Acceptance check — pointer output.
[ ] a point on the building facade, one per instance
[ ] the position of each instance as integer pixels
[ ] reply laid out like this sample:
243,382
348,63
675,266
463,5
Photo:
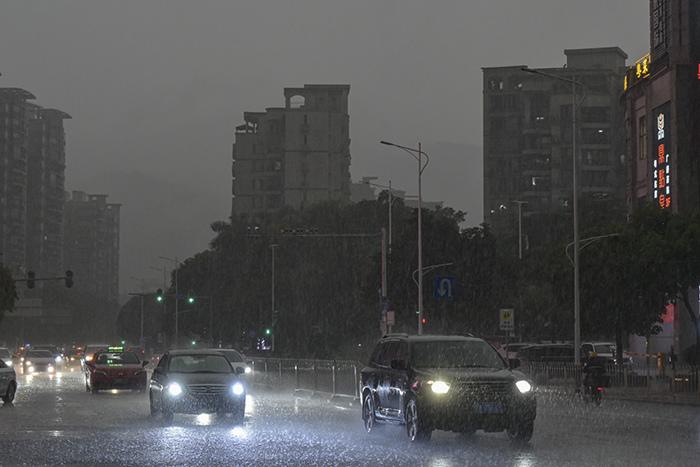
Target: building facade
662,120
295,155
14,132
46,165
528,139
91,244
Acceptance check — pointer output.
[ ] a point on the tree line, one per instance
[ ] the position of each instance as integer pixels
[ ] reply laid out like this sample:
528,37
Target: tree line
328,278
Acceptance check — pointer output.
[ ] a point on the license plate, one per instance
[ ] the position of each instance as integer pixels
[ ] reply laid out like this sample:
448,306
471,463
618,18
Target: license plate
489,408
120,381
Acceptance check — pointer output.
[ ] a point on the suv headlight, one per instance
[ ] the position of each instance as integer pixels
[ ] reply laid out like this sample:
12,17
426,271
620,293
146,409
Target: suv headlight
247,370
237,389
8,362
440,387
174,389
523,386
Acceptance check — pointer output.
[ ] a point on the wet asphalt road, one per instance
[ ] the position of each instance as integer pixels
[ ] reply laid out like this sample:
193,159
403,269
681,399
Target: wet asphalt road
54,421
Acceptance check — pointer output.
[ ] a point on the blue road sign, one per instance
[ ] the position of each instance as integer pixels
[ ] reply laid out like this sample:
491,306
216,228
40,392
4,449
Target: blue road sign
444,287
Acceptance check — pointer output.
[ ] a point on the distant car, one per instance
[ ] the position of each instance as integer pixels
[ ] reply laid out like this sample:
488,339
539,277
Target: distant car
55,352
453,383
6,356
546,353
8,382
510,351
116,370
236,358
36,361
606,350
196,381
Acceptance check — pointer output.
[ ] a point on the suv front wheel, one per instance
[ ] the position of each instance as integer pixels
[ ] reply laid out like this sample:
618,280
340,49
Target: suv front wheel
368,412
416,427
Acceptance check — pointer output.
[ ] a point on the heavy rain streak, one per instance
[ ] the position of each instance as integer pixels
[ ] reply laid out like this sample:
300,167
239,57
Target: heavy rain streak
364,232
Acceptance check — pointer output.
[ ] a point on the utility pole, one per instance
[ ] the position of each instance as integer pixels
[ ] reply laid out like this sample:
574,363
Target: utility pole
177,297
385,303
140,295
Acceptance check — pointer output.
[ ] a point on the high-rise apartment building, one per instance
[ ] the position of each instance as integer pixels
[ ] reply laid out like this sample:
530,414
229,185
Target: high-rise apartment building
13,176
91,244
528,138
295,155
46,164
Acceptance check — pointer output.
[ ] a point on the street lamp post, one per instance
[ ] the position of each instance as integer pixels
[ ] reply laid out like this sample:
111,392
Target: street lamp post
577,287
520,226
177,298
273,248
418,155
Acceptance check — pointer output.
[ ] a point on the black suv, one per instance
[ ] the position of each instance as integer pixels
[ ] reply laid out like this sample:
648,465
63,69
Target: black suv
453,383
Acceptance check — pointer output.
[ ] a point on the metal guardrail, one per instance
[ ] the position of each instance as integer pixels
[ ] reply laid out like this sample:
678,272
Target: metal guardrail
682,378
342,377
335,377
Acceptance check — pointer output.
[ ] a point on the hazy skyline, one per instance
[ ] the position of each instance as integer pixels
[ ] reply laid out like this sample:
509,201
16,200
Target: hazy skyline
156,88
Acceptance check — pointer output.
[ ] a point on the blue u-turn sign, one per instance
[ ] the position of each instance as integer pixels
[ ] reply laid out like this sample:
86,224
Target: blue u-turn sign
444,287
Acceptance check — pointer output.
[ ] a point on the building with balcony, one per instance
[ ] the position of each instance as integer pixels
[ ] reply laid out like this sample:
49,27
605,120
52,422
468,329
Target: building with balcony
46,165
14,132
528,139
295,155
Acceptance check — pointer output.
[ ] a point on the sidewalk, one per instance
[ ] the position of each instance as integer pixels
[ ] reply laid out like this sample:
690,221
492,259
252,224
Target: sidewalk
637,395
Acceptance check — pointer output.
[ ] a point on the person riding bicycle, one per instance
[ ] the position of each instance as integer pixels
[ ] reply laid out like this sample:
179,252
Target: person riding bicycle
595,371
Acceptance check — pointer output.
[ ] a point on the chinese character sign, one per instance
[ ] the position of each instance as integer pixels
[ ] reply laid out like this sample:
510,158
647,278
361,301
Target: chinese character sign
662,159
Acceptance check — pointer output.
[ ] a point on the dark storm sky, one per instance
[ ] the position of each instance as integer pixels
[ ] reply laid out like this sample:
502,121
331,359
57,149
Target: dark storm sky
155,88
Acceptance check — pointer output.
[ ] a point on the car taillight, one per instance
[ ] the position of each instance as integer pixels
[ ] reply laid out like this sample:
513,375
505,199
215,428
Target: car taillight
600,389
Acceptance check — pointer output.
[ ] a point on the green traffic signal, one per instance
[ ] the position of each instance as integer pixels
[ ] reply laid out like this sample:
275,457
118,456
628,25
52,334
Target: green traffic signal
190,299
159,298
268,331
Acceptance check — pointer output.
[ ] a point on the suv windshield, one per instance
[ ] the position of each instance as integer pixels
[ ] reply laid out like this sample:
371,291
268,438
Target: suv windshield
39,354
126,358
232,356
455,354
199,364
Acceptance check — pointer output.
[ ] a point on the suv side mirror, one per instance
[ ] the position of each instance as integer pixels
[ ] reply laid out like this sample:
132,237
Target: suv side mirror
398,365
513,363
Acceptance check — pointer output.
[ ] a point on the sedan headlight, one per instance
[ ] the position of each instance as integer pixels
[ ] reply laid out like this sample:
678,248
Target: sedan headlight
8,362
523,386
27,362
237,389
247,370
174,389
440,387
49,368
58,359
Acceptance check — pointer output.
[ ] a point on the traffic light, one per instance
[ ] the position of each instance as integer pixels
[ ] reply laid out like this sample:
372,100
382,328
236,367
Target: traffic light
424,321
69,279
190,299
159,295
268,331
194,343
30,279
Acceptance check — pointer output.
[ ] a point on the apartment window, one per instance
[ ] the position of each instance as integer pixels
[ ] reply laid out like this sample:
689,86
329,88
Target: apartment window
643,144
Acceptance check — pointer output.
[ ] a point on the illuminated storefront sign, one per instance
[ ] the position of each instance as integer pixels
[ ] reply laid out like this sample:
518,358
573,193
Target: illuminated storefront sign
662,159
641,70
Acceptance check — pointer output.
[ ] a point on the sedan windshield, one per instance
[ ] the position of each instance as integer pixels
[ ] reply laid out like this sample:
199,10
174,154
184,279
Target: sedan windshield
39,354
455,354
199,364
126,358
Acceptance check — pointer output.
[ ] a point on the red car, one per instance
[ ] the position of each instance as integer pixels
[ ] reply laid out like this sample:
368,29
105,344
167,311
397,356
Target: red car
115,369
